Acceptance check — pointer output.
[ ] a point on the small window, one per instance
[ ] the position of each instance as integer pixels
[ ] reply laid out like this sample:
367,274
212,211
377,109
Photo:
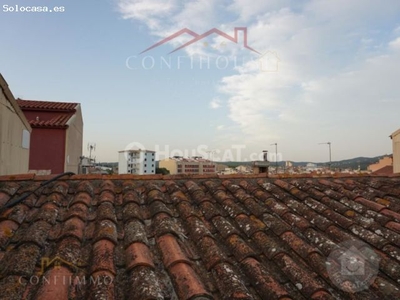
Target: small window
145,171
145,165
25,139
145,159
152,165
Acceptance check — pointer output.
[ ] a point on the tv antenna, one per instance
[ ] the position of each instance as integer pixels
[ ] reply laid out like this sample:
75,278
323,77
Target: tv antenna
91,147
330,153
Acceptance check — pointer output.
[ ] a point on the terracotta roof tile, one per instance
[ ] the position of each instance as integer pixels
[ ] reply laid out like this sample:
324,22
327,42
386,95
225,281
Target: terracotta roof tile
393,226
60,121
240,248
103,257
7,230
265,284
171,251
187,284
134,231
73,227
4,197
302,278
55,287
37,233
46,105
107,230
195,238
13,287
143,284
391,214
138,254
296,221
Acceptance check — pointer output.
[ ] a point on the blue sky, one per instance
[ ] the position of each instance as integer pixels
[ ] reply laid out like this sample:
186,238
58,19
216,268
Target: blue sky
337,79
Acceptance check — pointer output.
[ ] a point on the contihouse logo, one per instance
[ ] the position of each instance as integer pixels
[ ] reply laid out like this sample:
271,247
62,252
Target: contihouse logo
198,37
267,62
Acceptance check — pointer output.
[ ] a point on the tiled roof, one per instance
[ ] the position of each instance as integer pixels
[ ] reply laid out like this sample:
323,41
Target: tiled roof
61,112
387,170
195,238
47,105
58,121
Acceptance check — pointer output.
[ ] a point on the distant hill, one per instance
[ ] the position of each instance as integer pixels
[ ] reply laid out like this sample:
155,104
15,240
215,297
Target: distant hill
353,163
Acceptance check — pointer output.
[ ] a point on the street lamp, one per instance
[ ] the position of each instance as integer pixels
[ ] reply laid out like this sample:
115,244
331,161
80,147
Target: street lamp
276,156
330,153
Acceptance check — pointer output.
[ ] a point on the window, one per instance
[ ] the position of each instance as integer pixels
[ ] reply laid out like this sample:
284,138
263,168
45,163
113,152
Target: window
25,139
145,159
152,165
145,165
145,171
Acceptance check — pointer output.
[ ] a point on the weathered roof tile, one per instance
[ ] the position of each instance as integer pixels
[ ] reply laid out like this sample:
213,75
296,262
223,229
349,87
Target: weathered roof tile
197,239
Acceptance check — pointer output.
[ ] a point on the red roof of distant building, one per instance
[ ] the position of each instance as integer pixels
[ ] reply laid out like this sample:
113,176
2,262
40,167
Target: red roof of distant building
46,105
58,121
61,112
387,170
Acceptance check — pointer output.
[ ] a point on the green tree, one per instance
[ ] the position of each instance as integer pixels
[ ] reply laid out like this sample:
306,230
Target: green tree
162,171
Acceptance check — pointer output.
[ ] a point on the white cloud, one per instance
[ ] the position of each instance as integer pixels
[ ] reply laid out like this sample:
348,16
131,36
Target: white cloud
257,7
395,44
336,70
150,12
215,103
317,93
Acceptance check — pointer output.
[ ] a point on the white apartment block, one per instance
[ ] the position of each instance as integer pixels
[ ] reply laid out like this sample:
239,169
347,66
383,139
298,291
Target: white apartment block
139,162
396,151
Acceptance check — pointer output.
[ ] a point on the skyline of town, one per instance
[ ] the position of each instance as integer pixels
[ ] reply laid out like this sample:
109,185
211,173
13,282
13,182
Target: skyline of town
336,80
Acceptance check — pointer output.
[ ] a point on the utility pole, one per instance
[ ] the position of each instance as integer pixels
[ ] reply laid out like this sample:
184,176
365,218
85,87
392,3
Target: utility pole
330,153
276,156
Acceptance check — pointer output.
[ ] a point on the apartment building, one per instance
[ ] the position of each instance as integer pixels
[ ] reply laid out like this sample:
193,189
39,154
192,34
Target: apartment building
396,151
193,165
382,163
139,162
